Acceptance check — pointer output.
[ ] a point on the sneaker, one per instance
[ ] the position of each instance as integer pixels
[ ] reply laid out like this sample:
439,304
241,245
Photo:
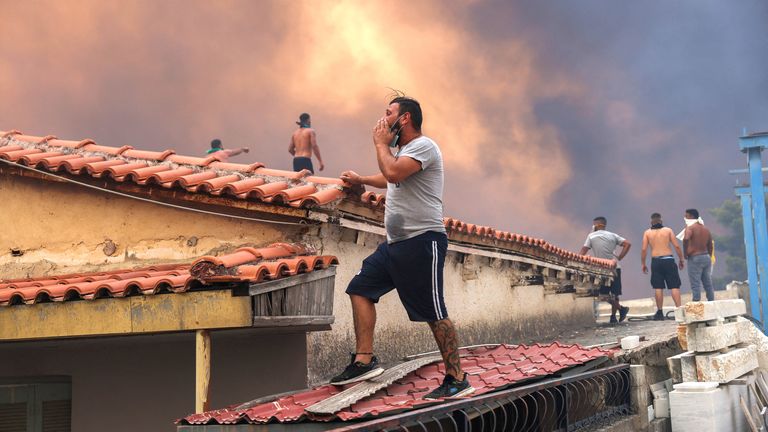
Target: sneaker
613,320
659,316
623,311
451,387
358,371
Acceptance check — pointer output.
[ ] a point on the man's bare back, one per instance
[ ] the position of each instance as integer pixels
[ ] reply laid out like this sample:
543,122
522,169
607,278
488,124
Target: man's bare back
659,240
301,142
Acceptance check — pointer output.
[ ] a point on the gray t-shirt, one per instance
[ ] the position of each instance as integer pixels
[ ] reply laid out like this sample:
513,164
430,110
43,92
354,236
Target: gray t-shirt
415,205
603,243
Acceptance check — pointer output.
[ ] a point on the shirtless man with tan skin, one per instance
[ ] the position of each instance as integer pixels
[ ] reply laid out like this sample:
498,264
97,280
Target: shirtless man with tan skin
303,144
664,272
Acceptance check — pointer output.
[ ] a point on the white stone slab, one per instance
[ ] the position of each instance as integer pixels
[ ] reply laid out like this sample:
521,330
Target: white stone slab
725,367
712,310
703,338
699,407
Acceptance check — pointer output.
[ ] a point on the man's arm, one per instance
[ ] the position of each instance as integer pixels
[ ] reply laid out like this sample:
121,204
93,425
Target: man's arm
353,178
292,148
679,252
644,252
235,152
394,169
316,148
686,240
625,245
711,246
584,250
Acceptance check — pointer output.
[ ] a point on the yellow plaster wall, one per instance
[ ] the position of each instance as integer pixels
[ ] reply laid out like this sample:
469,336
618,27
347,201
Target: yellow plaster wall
62,227
131,315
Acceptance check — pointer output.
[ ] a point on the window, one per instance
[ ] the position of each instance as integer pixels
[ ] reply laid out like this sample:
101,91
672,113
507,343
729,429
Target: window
35,406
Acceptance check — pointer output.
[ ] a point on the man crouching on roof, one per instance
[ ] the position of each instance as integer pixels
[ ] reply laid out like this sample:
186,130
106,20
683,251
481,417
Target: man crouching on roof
412,258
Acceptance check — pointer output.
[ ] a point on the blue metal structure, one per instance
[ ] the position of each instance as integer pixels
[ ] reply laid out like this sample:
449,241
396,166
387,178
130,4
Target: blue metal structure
755,228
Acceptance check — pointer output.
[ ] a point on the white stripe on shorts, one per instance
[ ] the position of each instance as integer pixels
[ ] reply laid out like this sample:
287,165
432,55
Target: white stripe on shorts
435,295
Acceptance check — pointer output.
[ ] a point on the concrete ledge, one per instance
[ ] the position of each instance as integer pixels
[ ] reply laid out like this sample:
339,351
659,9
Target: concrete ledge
728,366
702,337
708,311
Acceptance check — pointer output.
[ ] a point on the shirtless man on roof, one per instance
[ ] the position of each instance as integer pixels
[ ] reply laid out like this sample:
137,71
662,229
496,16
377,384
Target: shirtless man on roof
663,269
303,144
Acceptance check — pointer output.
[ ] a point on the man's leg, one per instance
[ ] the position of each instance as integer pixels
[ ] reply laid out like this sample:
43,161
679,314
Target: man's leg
615,306
447,342
676,296
659,298
694,277
364,317
706,279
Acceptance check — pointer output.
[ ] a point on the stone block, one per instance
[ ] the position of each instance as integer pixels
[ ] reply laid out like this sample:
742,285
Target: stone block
699,407
724,367
680,315
682,336
712,310
688,367
702,337
761,341
675,368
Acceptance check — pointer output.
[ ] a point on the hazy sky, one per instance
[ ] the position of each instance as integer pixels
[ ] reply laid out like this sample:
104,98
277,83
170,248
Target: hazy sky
548,112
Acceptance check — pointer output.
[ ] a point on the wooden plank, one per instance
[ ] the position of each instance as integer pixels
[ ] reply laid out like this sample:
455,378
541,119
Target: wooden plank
283,321
265,287
202,370
366,388
750,420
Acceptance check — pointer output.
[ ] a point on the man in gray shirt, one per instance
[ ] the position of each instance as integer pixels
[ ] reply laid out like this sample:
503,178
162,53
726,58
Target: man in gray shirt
412,258
603,243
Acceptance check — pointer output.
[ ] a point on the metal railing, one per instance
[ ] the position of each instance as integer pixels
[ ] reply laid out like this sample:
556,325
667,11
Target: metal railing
563,404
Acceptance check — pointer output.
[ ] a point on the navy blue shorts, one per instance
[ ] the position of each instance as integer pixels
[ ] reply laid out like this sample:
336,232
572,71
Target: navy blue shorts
301,163
414,267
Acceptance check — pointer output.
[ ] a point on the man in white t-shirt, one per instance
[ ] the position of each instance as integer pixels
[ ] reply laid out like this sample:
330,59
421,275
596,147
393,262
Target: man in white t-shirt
603,243
412,259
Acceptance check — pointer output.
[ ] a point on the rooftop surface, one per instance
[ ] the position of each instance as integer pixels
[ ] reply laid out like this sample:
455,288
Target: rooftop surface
489,368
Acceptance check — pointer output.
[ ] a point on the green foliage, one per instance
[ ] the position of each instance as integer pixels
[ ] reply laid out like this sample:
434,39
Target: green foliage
729,247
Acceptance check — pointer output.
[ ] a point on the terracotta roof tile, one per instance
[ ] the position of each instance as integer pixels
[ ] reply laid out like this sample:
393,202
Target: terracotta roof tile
488,368
278,260
242,181
455,226
167,169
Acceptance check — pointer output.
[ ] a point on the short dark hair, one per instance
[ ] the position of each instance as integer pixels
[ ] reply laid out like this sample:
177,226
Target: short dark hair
303,117
655,216
601,219
216,143
693,212
412,106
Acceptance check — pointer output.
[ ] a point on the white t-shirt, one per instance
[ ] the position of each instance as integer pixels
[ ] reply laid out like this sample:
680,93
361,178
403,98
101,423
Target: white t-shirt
415,205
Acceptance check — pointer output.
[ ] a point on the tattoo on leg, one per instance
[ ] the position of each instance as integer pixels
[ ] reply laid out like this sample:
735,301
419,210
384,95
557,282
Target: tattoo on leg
447,342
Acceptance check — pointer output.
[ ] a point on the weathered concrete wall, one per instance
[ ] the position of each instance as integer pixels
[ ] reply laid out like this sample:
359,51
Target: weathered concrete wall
492,308
61,227
144,383
67,228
